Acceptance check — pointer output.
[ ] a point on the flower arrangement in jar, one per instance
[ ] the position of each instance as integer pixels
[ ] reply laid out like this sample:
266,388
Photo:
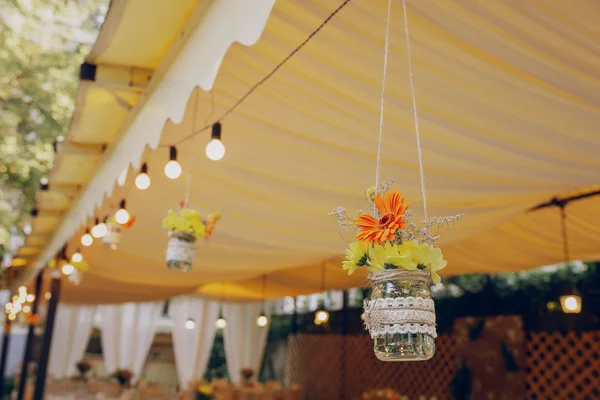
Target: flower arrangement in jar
123,376
205,391
402,259
83,366
185,227
380,394
114,229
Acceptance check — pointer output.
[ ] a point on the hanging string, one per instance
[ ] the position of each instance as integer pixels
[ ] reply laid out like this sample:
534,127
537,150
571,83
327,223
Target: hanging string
188,187
563,226
414,101
382,103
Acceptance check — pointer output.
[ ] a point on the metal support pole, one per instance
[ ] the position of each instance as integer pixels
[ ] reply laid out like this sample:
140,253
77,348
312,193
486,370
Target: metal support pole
294,327
40,382
5,346
30,336
345,317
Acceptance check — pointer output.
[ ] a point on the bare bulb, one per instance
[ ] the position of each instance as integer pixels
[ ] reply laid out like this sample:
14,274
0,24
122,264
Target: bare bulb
215,149
68,269
322,316
190,324
172,169
87,240
12,317
26,309
221,323
100,230
48,295
142,181
30,297
122,216
262,321
77,257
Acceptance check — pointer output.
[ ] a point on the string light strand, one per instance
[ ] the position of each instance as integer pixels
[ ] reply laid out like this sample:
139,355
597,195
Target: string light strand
264,79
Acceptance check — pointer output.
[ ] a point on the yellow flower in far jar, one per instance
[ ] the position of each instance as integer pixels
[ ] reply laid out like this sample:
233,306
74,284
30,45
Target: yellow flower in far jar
370,193
205,389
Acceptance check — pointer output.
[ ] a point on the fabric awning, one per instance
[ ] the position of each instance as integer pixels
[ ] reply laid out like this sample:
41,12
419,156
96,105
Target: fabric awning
507,95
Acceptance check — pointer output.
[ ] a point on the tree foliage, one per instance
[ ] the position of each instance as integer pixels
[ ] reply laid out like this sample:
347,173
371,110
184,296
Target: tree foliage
42,44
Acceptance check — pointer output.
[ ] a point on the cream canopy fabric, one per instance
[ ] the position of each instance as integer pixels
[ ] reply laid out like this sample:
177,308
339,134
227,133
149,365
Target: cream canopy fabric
508,105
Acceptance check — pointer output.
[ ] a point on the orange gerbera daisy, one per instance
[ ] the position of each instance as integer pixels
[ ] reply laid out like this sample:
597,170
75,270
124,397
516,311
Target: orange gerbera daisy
392,207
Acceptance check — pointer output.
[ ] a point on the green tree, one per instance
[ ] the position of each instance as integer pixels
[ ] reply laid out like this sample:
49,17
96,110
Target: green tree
42,44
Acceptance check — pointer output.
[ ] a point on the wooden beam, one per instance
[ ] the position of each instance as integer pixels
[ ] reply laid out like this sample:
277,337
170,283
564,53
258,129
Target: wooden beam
29,343
74,148
5,346
40,381
116,77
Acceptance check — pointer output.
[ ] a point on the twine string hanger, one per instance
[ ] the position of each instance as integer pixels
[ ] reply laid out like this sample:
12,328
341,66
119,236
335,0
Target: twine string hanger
563,228
414,105
382,102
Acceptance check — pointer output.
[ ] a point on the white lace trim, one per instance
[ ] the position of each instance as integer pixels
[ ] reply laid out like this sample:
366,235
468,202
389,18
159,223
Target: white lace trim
113,236
400,315
180,251
404,328
412,302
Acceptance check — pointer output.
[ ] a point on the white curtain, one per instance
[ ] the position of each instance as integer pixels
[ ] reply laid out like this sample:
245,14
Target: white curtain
70,338
192,347
244,339
127,333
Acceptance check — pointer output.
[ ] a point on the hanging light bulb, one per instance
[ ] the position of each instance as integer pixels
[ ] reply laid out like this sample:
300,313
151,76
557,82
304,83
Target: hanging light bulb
22,289
122,216
101,228
570,302
26,309
190,324
142,181
97,229
172,169
87,239
262,320
30,298
215,149
221,323
48,295
12,317
68,269
322,316
77,257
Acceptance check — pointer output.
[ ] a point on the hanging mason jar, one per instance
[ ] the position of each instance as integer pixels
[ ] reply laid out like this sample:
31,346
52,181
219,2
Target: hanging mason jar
400,315
181,251
75,277
113,235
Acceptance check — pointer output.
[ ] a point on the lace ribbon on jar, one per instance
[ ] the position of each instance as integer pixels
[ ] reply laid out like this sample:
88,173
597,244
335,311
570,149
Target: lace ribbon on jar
402,314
